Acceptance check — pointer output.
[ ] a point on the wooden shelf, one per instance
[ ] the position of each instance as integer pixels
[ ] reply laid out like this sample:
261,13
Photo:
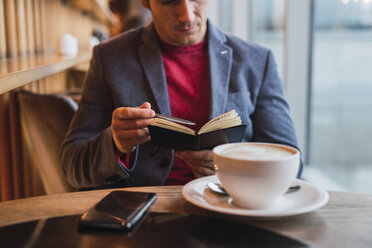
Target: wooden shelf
20,71
97,8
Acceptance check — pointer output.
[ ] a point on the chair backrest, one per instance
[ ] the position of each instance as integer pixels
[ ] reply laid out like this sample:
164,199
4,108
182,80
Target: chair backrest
45,120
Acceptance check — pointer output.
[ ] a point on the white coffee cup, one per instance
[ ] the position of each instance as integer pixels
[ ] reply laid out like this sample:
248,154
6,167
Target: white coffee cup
256,175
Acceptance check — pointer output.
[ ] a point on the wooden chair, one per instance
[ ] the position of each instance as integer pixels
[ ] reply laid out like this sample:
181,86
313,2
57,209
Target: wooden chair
45,119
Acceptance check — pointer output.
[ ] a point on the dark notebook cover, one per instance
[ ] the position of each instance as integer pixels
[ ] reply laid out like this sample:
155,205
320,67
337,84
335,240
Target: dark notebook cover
181,141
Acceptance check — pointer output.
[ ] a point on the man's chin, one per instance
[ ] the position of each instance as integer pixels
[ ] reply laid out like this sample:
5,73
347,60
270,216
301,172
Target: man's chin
188,41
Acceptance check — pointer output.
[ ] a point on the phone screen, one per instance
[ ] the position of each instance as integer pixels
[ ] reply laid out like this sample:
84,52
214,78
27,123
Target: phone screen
118,210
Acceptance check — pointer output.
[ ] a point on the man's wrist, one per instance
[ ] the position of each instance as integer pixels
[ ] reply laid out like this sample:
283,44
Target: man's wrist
122,154
120,151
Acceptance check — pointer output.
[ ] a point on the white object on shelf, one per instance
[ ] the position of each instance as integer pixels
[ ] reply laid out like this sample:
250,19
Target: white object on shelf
68,45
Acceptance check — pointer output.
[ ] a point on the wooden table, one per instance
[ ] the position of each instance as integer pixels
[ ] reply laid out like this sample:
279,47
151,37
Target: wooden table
346,221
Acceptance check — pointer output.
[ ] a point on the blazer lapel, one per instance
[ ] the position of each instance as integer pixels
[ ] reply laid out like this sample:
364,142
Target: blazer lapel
151,59
220,60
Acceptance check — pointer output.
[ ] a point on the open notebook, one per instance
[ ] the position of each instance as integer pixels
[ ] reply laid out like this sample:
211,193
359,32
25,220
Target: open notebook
225,128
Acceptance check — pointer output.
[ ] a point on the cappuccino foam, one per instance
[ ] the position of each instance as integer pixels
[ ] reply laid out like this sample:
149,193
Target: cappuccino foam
256,152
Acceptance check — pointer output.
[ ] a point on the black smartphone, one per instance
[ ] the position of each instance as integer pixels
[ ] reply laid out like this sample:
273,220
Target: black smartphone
120,210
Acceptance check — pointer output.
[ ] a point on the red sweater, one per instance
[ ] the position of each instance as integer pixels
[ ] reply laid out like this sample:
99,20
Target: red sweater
187,74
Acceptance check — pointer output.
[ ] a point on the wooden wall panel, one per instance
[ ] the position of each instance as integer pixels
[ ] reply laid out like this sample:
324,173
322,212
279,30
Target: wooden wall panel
52,28
10,28
2,31
37,26
43,23
30,26
21,27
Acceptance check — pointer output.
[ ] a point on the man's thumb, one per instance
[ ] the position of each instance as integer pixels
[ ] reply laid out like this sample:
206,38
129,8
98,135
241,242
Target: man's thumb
145,105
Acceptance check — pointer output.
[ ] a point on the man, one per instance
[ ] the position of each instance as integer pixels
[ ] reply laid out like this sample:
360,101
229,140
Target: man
180,65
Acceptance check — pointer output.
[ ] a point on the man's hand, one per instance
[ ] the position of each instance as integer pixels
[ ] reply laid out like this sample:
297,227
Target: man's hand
200,162
129,126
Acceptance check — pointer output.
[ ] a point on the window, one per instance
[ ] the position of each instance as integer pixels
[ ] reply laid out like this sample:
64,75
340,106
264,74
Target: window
341,96
267,27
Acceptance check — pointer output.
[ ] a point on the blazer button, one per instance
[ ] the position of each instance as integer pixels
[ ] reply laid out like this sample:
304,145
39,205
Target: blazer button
164,163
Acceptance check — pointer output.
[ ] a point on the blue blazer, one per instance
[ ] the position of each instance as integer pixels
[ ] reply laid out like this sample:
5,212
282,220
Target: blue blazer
128,70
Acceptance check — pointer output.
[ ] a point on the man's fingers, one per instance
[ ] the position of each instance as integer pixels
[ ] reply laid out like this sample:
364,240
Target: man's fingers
205,155
200,163
201,168
133,113
131,124
202,171
132,134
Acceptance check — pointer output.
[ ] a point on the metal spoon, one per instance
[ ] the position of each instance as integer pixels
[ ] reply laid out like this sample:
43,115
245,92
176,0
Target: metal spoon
217,188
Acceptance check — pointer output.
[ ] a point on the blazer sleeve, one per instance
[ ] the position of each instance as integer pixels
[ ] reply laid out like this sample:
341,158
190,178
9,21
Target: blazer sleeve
271,118
87,155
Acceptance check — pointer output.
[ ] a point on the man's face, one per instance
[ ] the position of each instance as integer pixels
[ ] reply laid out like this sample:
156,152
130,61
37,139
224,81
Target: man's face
179,22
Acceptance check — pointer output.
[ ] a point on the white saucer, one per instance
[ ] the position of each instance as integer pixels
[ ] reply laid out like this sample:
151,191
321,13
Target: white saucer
307,199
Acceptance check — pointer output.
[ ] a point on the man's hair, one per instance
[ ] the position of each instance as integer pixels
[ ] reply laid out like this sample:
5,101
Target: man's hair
148,3
119,6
